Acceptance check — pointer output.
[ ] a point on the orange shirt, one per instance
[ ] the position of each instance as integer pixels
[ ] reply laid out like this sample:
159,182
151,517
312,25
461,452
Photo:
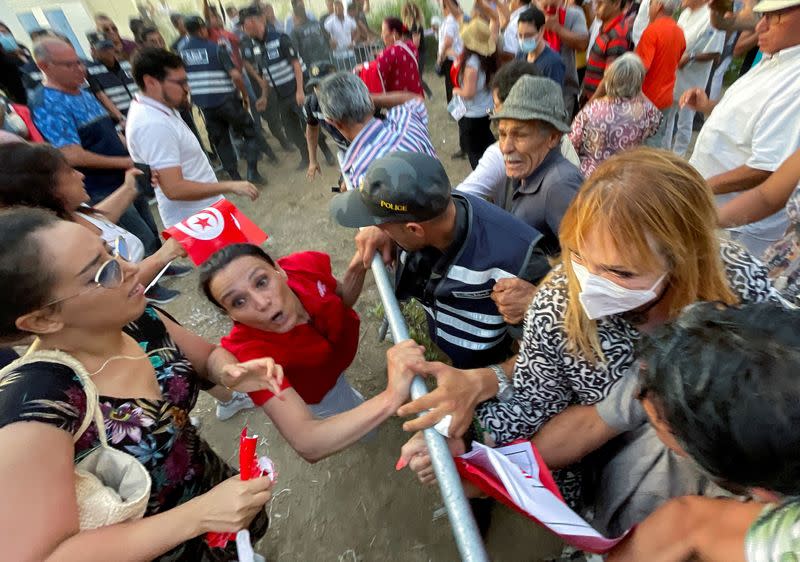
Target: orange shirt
660,48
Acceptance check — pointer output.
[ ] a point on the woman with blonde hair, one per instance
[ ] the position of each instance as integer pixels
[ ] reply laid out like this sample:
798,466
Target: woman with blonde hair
639,243
414,20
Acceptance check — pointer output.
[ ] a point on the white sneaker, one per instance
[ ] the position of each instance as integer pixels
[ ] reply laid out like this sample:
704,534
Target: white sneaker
240,401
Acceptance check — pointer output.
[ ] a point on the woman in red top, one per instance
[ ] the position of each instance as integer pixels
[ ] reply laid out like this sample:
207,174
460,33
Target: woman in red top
397,63
297,313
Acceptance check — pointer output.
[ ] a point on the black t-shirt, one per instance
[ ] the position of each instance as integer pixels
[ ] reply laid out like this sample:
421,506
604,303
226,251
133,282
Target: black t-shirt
313,115
311,42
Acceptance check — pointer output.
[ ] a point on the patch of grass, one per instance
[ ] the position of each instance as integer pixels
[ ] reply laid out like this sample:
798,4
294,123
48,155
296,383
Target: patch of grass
417,324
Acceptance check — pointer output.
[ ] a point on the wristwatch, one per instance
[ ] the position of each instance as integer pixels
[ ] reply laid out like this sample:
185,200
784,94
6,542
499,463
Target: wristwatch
505,390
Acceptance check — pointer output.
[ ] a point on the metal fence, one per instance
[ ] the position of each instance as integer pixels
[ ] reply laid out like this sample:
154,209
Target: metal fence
347,59
465,531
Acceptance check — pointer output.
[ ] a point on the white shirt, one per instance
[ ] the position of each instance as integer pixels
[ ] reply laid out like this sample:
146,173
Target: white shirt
756,125
510,39
594,31
341,31
641,22
449,28
489,176
701,38
110,231
158,137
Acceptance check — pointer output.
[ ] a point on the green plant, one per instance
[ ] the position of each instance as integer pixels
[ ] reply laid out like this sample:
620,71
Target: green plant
417,324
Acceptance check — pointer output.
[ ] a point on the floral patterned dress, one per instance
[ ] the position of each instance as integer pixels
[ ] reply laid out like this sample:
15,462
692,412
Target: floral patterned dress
607,125
783,257
157,432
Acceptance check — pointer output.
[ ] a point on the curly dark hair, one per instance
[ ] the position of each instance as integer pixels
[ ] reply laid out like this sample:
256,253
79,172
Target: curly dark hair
30,177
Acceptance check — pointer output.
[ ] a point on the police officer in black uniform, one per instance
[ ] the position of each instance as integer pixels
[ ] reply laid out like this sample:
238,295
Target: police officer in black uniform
110,79
314,121
214,81
270,59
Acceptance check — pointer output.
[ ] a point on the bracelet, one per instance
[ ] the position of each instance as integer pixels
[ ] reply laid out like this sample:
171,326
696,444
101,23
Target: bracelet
505,390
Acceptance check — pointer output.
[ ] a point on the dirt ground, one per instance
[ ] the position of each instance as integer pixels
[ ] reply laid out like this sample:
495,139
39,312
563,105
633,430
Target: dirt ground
352,506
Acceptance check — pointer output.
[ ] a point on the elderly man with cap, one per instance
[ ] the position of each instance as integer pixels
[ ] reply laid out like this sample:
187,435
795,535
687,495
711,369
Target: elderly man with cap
540,183
214,81
454,248
754,128
110,79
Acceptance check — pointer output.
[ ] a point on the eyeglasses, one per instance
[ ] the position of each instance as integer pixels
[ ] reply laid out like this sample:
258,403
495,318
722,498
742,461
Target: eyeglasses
68,64
184,83
109,275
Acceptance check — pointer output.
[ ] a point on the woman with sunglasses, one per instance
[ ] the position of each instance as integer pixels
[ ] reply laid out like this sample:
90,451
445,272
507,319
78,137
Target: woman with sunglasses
60,284
639,244
38,175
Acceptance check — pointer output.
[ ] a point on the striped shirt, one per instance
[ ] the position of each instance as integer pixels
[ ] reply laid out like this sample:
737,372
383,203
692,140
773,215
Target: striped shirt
404,129
610,43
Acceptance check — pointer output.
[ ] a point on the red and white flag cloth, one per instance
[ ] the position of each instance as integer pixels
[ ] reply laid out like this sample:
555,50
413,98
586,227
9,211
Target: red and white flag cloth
250,466
213,228
517,476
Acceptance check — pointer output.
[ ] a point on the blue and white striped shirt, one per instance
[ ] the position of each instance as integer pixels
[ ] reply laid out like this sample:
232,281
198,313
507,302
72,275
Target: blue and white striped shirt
404,129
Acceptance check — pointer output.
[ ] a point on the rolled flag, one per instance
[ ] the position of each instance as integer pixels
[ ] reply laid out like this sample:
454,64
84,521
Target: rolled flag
213,228
250,466
517,476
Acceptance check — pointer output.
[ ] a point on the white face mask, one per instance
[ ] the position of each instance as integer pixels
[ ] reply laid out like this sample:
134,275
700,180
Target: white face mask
601,297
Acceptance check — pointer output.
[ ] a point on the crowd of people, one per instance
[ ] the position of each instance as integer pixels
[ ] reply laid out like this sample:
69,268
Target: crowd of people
602,283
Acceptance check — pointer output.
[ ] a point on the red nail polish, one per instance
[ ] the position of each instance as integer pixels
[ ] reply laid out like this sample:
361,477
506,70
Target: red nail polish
401,464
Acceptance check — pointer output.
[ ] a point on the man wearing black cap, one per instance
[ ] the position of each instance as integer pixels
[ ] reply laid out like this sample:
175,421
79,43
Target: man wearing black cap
110,79
214,81
455,247
273,62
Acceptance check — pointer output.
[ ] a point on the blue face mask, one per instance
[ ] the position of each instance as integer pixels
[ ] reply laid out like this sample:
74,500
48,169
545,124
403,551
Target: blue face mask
8,42
527,45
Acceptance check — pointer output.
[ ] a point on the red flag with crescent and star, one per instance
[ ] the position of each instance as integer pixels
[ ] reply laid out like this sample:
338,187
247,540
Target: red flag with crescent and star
213,228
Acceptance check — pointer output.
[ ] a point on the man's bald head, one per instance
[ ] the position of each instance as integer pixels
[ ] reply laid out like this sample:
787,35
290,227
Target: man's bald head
46,47
59,63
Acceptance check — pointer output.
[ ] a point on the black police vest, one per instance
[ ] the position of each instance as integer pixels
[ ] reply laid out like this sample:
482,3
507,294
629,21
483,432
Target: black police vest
209,82
462,317
274,65
119,87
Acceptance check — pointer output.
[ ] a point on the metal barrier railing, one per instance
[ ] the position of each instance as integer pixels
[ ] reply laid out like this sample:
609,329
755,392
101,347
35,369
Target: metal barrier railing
347,59
465,530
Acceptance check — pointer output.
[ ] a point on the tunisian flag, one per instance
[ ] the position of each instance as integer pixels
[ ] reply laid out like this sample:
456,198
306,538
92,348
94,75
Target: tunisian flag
213,228
517,476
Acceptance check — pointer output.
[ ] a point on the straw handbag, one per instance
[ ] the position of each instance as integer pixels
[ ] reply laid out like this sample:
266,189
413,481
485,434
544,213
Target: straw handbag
111,486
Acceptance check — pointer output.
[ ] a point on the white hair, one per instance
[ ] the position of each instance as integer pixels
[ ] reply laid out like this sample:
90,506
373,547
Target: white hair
670,6
624,76
344,97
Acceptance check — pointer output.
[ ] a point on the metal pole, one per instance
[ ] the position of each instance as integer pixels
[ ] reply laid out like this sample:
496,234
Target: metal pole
465,531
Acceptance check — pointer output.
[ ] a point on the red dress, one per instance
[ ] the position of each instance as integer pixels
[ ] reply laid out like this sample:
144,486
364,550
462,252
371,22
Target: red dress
398,67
